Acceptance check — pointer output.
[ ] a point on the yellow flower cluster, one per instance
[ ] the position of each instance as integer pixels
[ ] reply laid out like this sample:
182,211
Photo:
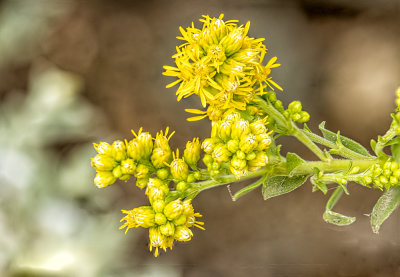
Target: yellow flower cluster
222,65
166,221
238,143
154,165
384,175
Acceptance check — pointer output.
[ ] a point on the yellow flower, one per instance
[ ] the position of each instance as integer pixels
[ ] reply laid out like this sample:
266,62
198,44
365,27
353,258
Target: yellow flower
179,168
221,64
192,152
104,179
138,217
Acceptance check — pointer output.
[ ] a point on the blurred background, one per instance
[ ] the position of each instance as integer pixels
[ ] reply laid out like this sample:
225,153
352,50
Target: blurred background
75,72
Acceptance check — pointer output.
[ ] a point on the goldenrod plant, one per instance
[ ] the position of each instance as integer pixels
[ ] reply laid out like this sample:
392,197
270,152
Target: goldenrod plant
229,72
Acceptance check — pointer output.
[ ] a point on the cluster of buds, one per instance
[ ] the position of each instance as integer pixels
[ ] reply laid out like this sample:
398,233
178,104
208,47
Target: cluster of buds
385,175
236,144
222,65
166,221
154,165
296,113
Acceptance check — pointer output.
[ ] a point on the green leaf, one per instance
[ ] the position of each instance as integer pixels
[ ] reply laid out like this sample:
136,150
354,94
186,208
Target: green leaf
248,188
337,219
293,161
278,185
306,128
334,198
396,152
392,141
318,185
386,204
346,142
373,144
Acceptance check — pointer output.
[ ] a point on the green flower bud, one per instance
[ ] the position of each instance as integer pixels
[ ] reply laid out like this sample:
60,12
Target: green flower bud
238,163
104,179
128,166
142,182
103,148
163,173
251,156
160,157
119,152
305,117
125,177
192,152
260,160
296,117
158,205
183,233
190,178
168,229
396,173
173,209
233,145
215,165
142,171
103,162
279,106
160,219
221,153
181,186
180,220
156,193
117,172
394,181
239,128
295,107
272,96
208,160
197,175
248,143
383,180
241,155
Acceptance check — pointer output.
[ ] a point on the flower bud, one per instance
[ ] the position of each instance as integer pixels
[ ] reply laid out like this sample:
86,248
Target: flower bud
103,162
225,129
119,152
104,179
233,41
158,205
162,173
209,144
157,240
208,160
142,171
190,178
160,157
117,172
251,156
180,220
173,209
233,145
192,152
248,143
258,127
134,150
142,182
156,193
168,229
103,148
260,160
162,141
295,107
128,166
125,177
181,186
183,233
221,153
239,128
146,142
139,217
305,117
160,219
179,169
239,172
263,141
238,163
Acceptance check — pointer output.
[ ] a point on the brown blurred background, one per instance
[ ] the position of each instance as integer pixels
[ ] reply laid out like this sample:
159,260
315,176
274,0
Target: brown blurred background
340,58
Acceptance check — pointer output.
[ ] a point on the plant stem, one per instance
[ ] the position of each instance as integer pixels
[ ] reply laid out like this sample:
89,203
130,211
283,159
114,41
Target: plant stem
333,166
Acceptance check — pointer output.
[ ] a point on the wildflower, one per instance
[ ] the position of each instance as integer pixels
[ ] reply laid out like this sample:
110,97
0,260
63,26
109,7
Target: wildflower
104,179
192,152
179,168
103,162
138,217
119,152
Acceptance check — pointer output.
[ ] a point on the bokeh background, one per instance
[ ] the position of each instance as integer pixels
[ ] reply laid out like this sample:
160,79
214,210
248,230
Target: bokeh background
78,71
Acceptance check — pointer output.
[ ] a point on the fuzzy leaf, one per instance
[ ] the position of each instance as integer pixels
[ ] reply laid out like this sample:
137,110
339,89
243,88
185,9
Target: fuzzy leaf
279,185
292,161
386,204
338,219
346,142
318,185
395,140
373,144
